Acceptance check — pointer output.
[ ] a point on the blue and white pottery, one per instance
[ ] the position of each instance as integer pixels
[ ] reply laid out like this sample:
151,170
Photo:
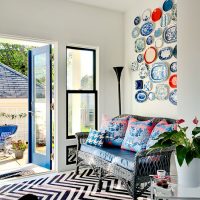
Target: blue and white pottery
147,28
159,43
137,20
173,67
170,34
148,86
174,12
165,53
139,84
173,97
134,66
149,40
151,96
159,72
140,45
175,51
140,58
135,32
165,20
143,71
158,32
141,96
146,15
162,92
168,4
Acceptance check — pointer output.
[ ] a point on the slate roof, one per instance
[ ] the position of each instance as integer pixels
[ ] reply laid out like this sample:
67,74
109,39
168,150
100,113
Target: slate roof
14,84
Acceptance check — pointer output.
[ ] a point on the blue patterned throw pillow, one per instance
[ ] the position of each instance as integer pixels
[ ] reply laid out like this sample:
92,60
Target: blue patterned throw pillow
95,138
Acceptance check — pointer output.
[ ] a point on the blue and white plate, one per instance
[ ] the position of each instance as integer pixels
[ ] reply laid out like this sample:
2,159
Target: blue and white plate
149,40
175,51
158,32
139,84
174,12
165,53
168,4
162,92
141,96
165,20
137,20
143,71
135,32
173,67
134,66
151,96
147,28
146,15
173,97
148,86
170,34
140,45
140,58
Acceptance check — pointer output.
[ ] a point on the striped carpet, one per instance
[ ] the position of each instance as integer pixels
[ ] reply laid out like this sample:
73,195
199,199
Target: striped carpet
67,186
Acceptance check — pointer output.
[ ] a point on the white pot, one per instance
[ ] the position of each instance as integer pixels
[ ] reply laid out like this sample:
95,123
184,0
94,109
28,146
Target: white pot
188,176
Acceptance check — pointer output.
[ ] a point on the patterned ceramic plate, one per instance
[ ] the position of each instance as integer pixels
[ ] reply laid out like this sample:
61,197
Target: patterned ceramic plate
165,53
149,40
159,43
170,34
148,86
156,14
173,97
175,51
173,81
140,45
151,96
137,20
134,66
141,96
165,20
135,32
147,28
143,71
150,55
168,4
139,84
146,15
162,92
173,67
174,12
140,58
158,32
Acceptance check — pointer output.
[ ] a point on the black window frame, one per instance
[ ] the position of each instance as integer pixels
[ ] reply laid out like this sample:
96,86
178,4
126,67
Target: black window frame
92,91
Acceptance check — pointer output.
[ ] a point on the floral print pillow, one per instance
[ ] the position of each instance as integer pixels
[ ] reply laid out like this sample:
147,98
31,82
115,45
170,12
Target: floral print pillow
95,138
137,135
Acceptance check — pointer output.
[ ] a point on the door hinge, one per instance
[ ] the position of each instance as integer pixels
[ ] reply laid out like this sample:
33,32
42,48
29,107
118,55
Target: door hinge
52,156
52,106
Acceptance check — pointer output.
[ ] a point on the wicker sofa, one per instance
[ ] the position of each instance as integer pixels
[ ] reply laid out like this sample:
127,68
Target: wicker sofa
133,169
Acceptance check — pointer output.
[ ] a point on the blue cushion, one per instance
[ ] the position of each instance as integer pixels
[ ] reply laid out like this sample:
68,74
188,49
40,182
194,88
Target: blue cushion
123,158
95,138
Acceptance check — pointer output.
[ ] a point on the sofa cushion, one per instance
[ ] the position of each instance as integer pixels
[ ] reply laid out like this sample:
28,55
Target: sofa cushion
123,158
137,135
95,138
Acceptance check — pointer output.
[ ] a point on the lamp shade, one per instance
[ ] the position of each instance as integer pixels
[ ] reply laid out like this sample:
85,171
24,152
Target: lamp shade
118,71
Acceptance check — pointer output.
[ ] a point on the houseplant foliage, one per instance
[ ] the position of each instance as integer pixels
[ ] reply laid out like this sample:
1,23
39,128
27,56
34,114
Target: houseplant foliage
186,148
19,148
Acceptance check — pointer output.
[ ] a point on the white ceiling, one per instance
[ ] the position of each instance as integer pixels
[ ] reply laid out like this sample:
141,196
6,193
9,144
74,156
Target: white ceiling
117,5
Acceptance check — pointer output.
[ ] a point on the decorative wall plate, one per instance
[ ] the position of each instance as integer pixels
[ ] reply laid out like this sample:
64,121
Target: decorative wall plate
168,4
165,20
143,71
170,34
149,40
174,12
141,96
140,58
151,96
140,45
146,15
147,28
137,20
165,53
150,55
173,81
134,66
135,32
148,86
156,14
175,51
162,92
173,67
159,72
159,43
173,97
139,84
158,32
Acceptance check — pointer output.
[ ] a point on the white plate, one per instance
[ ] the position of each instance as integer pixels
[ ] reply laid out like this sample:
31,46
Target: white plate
146,15
159,43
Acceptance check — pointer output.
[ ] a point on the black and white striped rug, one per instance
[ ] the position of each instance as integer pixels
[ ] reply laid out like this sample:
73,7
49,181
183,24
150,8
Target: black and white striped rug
67,186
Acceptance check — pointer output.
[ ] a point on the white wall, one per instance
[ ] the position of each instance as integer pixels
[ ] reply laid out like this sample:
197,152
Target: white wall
70,23
150,108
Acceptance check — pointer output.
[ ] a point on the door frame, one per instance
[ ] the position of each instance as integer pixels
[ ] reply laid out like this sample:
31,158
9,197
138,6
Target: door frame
55,44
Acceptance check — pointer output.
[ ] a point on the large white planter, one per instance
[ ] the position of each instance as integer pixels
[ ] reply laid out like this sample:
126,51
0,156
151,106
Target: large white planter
188,176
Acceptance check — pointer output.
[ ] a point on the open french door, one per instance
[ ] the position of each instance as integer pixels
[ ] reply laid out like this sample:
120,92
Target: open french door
40,99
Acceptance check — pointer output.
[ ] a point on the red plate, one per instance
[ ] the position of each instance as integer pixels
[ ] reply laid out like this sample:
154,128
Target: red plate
150,55
156,14
173,81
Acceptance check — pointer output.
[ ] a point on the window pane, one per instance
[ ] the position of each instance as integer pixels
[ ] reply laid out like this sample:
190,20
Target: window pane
81,113
80,69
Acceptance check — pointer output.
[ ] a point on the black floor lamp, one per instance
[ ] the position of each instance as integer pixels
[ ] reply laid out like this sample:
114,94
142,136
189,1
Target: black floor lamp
118,71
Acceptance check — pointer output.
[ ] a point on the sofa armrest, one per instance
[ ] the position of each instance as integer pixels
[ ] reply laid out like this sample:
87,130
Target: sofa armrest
81,137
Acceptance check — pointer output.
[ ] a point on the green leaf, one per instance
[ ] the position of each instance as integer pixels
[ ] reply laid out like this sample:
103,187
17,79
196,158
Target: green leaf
196,143
196,131
181,152
189,157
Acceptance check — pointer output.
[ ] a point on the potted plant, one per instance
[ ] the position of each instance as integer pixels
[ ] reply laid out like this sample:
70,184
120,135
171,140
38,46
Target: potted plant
187,152
19,148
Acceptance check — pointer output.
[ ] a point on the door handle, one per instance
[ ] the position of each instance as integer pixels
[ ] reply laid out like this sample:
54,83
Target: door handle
32,113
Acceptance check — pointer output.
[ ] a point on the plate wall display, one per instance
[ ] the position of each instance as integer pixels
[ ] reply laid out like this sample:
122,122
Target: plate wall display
175,51
140,45
141,96
173,81
165,20
146,15
162,92
149,40
159,72
151,96
170,34
167,5
140,58
158,32
134,66
148,86
150,55
139,84
173,97
143,71
173,67
159,43
156,14
135,32
174,12
147,28
165,53
137,20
